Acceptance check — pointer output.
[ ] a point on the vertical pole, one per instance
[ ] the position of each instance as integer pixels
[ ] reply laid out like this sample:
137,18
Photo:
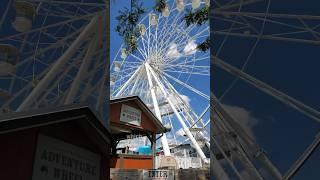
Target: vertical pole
153,146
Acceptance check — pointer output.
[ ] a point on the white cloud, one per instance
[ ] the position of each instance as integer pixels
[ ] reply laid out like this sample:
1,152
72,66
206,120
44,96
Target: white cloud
173,51
190,48
174,100
243,117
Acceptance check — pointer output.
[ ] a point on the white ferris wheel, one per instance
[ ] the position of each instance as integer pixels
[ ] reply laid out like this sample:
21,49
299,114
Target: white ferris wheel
169,74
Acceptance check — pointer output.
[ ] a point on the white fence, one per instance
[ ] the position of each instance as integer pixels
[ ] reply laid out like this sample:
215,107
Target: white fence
183,162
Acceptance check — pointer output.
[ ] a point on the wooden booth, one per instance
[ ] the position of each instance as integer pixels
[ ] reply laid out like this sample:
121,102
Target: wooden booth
130,116
66,143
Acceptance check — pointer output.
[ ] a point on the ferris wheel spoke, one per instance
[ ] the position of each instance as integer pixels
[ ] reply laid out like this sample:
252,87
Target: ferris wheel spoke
169,34
187,86
173,36
188,68
85,17
142,53
188,72
123,77
188,61
164,23
73,3
292,33
52,46
67,10
279,20
122,87
306,110
155,36
304,27
232,4
236,29
269,15
136,83
268,37
144,43
185,59
172,25
187,112
137,58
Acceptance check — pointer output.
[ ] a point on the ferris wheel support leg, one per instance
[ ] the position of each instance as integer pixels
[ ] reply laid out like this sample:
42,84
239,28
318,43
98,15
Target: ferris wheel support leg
58,65
83,69
184,126
199,118
164,140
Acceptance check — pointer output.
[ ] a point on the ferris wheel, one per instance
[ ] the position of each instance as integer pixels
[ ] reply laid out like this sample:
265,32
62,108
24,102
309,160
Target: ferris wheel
252,24
169,73
52,53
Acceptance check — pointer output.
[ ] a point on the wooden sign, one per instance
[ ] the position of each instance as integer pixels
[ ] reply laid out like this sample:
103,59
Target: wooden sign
130,115
156,174
168,161
57,160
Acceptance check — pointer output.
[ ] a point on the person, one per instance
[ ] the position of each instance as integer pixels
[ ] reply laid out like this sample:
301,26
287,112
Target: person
126,151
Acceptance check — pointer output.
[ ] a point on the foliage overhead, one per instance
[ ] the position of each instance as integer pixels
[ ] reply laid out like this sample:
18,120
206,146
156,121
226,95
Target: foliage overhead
197,17
160,5
204,46
127,23
129,18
